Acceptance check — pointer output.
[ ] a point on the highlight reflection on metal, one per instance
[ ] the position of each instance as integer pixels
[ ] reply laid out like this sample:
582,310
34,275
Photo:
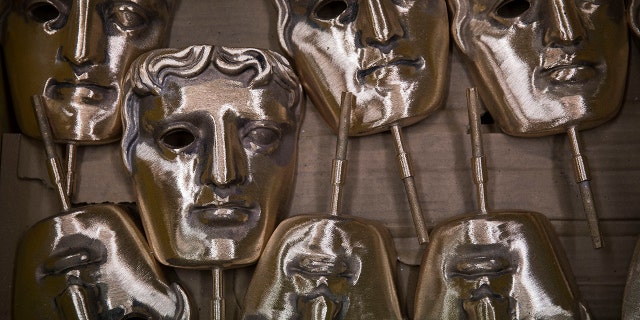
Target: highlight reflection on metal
542,67
392,55
326,266
495,265
631,299
634,16
319,266
547,67
75,54
92,263
211,140
504,265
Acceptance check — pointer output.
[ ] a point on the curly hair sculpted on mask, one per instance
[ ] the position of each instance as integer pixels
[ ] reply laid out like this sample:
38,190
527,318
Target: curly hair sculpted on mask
254,68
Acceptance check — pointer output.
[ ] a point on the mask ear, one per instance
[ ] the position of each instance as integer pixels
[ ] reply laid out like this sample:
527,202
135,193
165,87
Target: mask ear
634,17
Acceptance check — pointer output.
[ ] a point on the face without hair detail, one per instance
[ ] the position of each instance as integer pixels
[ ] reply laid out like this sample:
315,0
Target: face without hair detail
211,146
392,55
75,53
542,66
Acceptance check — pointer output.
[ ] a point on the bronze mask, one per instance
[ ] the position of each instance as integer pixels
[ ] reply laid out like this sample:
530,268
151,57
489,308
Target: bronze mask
325,267
542,66
392,55
92,263
211,140
75,54
501,265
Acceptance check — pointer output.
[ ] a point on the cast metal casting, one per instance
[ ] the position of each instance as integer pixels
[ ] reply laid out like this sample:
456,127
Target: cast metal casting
495,264
89,263
392,55
326,266
547,67
210,140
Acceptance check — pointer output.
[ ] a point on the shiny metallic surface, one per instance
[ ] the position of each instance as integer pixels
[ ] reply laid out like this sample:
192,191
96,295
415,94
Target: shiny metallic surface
75,54
502,265
392,55
92,263
631,299
320,266
634,16
211,141
544,66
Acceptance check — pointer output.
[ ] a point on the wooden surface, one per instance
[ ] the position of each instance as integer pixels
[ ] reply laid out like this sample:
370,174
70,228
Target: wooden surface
529,174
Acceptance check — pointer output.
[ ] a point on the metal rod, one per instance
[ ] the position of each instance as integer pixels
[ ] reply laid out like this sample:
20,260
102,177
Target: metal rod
70,183
53,161
217,299
74,305
339,167
406,173
478,161
581,171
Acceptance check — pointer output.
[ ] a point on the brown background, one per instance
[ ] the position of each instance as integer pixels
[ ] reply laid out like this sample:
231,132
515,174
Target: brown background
529,174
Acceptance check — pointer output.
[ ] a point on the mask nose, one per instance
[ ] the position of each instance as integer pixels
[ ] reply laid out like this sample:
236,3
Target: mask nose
378,23
85,35
225,161
564,24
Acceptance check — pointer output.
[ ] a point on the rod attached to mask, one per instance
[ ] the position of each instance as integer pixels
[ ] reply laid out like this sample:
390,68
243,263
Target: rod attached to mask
478,160
56,175
217,298
70,182
74,302
339,167
406,173
581,172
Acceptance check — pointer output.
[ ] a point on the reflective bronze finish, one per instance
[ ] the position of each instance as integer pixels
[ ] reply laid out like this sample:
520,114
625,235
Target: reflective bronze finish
392,55
495,265
75,54
92,263
326,266
544,66
210,141
319,266
504,265
631,299
634,16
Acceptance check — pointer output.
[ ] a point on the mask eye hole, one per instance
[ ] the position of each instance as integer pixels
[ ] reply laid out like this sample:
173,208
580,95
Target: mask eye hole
177,138
331,9
42,12
513,8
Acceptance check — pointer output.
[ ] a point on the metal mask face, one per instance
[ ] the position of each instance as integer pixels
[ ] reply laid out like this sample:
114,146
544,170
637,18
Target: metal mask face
392,55
75,53
96,255
502,265
212,151
325,267
542,66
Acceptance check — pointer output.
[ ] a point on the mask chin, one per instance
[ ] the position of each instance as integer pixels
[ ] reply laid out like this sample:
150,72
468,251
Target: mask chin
487,308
